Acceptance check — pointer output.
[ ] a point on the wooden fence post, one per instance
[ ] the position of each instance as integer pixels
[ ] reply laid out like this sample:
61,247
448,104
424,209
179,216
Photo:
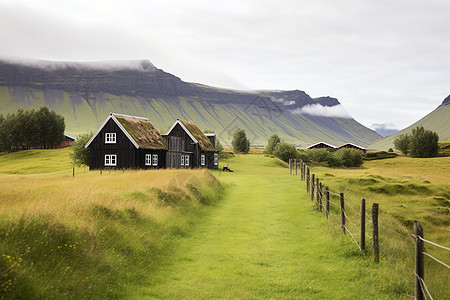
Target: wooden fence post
327,193
296,165
376,245
290,167
341,197
312,187
320,197
73,172
307,180
317,191
100,171
419,271
301,170
363,225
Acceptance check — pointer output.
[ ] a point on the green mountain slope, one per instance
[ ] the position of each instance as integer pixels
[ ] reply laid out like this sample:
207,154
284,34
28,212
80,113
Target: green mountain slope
438,120
86,94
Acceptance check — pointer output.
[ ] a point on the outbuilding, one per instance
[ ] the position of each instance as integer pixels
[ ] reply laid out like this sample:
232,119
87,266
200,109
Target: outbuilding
189,147
322,145
353,146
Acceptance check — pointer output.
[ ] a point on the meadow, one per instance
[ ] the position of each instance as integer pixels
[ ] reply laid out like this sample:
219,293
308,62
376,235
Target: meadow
406,189
253,233
92,235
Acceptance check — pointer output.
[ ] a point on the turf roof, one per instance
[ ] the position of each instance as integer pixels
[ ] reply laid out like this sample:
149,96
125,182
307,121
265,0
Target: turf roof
202,139
143,132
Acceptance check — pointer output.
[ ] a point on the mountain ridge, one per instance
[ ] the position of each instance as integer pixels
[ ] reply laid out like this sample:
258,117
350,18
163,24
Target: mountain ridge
85,93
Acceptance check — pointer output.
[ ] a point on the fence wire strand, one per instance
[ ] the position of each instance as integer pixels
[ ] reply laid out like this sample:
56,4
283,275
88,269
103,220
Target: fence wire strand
351,234
423,286
432,243
431,256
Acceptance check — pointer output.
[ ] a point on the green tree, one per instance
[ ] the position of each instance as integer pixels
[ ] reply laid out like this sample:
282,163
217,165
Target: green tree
402,143
271,144
424,143
285,151
240,142
81,155
219,146
349,157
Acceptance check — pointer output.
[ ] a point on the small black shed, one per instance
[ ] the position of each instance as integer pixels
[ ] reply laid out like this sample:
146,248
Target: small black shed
124,141
189,147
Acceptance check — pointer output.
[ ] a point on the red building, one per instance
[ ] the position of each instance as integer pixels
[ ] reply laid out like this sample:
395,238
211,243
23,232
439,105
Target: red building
68,140
322,145
353,146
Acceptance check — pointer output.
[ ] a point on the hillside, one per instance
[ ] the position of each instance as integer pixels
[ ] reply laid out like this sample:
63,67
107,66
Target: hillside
85,93
438,120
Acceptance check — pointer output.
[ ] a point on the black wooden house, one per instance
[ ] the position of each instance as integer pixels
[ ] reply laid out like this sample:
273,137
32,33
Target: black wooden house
189,147
127,142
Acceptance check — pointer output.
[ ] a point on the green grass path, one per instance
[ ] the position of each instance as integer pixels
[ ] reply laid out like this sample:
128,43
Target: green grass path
262,241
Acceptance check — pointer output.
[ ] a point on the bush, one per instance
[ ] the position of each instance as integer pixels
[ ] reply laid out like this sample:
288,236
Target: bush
80,154
424,143
349,157
240,142
285,151
419,143
273,141
379,155
402,143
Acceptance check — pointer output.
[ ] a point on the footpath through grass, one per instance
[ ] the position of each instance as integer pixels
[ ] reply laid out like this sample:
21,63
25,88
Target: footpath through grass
264,241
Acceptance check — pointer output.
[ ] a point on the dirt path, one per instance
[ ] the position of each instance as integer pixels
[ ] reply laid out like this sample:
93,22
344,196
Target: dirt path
262,241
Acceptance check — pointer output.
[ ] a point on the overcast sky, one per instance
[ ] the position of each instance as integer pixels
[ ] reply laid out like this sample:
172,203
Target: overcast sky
386,61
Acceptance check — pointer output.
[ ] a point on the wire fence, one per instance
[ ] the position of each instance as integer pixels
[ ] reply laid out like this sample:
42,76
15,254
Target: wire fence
342,215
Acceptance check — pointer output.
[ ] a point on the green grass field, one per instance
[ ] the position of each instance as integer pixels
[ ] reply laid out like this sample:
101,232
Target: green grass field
406,189
165,235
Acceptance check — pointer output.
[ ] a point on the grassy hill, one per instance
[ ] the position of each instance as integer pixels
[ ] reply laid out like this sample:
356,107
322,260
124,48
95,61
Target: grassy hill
438,120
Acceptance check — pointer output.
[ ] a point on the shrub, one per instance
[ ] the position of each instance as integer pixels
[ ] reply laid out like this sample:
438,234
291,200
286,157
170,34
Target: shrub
240,142
80,154
402,143
424,143
273,141
285,151
349,157
419,143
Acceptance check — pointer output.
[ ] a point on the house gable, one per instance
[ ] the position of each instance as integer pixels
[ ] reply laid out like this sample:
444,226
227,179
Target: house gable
196,135
112,117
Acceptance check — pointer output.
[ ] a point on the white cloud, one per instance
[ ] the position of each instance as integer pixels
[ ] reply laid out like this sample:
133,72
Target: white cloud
336,111
393,68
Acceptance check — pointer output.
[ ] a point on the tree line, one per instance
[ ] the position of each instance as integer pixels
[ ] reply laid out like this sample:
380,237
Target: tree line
25,129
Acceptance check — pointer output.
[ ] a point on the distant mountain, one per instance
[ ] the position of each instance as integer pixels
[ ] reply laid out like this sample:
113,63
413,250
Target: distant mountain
438,120
383,129
85,93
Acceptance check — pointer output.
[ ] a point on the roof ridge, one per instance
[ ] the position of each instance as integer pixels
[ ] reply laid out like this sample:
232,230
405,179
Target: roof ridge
129,116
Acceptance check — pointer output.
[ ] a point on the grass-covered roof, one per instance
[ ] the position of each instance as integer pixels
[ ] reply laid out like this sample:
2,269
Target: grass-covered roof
143,132
202,139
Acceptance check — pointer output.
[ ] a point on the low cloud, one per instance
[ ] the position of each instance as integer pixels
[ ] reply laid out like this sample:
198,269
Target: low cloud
282,101
139,65
384,126
337,111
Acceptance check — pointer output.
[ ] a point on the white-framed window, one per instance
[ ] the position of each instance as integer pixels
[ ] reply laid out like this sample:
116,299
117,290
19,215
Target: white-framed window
216,159
186,160
148,159
110,160
110,138
202,159
182,160
155,159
